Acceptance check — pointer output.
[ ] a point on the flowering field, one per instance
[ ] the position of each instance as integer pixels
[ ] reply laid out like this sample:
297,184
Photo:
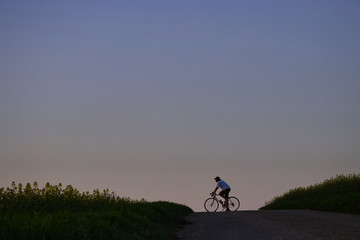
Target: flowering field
338,194
54,212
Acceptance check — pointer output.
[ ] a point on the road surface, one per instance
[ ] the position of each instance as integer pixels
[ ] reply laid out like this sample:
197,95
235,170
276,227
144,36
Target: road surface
271,225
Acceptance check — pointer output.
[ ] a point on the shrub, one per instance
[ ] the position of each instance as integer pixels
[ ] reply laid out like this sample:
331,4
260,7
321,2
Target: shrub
338,194
54,212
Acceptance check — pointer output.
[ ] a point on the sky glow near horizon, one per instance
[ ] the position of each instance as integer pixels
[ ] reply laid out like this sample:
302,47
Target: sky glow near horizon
153,100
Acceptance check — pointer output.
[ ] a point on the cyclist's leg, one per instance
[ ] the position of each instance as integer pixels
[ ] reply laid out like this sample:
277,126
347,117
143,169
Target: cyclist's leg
226,194
222,194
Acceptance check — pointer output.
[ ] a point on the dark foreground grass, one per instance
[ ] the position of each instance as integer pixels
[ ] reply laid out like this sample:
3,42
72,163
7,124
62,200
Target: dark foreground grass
56,213
339,194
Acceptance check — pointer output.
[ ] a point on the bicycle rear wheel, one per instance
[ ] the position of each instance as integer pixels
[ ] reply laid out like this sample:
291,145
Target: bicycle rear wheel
234,203
211,205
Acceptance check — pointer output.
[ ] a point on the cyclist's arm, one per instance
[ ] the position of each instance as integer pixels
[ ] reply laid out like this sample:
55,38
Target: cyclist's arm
215,190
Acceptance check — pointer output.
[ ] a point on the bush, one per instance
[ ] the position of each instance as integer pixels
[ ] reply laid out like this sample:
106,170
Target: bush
56,213
338,194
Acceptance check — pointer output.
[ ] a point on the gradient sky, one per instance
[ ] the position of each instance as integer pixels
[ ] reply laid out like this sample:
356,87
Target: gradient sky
153,99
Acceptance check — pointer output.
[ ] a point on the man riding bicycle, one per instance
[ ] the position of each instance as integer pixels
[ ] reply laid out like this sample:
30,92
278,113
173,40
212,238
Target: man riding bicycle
225,189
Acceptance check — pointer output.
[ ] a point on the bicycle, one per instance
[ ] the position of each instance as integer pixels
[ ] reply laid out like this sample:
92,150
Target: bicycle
212,204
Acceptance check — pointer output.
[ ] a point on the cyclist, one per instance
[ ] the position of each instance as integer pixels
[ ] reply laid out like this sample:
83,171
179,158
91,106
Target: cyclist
225,189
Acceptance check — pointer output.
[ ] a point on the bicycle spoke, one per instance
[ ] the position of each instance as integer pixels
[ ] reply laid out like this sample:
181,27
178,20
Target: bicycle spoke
234,203
211,205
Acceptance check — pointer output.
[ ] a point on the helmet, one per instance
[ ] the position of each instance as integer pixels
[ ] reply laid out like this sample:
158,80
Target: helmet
217,178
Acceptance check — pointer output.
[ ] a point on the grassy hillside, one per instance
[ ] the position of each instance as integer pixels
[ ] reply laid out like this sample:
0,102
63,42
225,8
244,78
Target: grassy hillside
56,213
338,194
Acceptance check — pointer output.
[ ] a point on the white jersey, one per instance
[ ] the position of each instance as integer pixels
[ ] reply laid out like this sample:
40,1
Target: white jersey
223,185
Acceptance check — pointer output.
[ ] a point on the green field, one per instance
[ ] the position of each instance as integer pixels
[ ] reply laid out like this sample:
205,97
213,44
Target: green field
54,212
338,194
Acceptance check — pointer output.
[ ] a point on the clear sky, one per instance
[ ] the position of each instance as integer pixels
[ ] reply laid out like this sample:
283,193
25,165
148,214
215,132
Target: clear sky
153,99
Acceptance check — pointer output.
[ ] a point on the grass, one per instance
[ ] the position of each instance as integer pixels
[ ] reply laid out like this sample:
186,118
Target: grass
56,213
338,194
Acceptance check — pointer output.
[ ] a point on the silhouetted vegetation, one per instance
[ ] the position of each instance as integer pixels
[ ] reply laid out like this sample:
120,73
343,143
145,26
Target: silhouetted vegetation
338,194
56,213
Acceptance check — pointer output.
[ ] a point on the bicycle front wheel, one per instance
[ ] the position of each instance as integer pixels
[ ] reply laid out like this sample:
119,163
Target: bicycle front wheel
234,203
211,205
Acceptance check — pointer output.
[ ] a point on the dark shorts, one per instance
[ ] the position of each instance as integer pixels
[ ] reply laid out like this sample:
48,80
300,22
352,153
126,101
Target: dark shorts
225,192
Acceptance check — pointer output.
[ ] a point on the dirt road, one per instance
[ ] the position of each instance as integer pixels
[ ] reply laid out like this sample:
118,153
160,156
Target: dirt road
271,225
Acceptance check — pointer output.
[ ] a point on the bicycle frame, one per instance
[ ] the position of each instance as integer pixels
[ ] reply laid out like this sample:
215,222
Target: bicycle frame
215,197
212,204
